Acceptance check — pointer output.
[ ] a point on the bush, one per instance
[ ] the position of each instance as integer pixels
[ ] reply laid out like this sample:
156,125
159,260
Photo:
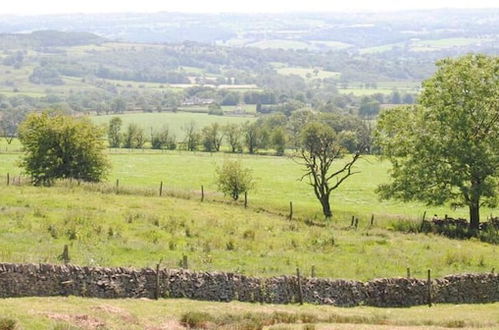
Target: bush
233,179
7,324
61,147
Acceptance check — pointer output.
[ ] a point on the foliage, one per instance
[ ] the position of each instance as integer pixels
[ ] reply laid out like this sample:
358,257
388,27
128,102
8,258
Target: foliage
320,148
192,136
134,137
212,137
447,149
60,147
233,135
233,179
114,132
279,141
9,122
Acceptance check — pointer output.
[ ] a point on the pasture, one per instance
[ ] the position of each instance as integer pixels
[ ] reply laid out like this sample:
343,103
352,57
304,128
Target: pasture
277,183
70,312
308,73
137,228
175,121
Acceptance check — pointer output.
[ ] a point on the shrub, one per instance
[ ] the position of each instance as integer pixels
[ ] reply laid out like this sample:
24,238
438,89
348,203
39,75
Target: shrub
7,324
60,147
233,179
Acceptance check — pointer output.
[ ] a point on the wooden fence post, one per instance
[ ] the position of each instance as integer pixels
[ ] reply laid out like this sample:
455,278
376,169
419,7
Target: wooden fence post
156,289
202,193
356,223
353,221
290,210
245,199
117,185
312,271
429,288
372,219
160,188
300,289
185,264
408,272
8,179
65,255
424,215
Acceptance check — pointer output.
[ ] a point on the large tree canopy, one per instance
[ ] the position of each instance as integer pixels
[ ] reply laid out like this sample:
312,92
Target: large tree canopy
447,148
59,147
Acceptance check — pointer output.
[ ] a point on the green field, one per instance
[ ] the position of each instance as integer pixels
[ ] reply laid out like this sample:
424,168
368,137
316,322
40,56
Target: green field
137,228
67,313
277,182
308,73
174,121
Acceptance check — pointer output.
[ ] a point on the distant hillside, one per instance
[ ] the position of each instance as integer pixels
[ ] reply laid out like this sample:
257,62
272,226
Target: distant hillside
48,38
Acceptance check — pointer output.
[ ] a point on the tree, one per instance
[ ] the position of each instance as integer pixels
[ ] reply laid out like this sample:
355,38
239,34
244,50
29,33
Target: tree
9,122
252,136
233,179
319,150
114,132
212,137
279,140
233,134
192,137
161,139
447,149
58,146
134,137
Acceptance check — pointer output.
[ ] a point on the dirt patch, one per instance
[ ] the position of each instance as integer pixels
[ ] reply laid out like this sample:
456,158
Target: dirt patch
81,320
120,312
168,325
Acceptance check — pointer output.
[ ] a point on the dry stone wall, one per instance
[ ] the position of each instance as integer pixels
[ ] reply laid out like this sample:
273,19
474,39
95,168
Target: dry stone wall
18,280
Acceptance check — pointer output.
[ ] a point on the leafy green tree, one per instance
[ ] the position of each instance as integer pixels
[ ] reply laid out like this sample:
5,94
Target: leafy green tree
134,137
279,140
212,136
252,136
192,136
233,134
60,147
9,123
320,148
447,149
114,132
233,179
160,139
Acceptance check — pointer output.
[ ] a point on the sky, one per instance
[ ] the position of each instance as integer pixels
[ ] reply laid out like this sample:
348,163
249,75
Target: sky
36,7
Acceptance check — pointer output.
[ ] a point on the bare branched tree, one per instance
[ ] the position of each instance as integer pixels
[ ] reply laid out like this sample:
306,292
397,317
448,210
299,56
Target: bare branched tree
319,150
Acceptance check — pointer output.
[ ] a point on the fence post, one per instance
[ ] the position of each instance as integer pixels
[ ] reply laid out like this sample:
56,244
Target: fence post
424,215
356,223
8,179
300,290
65,255
408,272
202,193
372,219
117,185
185,264
245,199
156,289
312,271
353,221
290,210
160,188
429,288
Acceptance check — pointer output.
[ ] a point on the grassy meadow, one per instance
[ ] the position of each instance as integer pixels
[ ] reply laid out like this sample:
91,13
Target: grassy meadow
137,228
277,183
73,312
175,121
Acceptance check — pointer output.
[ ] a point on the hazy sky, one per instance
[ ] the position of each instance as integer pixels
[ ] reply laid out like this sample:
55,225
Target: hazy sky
94,6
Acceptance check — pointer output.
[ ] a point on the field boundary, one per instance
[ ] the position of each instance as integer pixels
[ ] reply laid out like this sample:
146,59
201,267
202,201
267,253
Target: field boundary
21,280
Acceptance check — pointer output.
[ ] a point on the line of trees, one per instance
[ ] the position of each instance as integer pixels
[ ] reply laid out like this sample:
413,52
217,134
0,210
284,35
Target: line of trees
276,132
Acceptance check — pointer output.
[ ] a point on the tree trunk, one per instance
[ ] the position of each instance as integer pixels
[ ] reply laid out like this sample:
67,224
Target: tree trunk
474,215
326,207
